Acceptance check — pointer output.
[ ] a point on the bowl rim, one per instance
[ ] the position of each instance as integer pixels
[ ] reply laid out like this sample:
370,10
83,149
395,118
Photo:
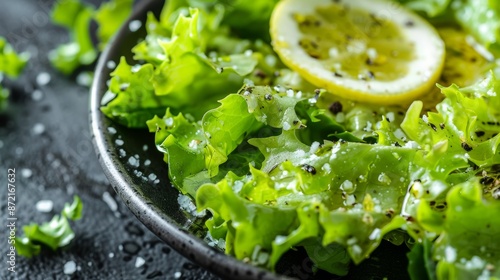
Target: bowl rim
151,216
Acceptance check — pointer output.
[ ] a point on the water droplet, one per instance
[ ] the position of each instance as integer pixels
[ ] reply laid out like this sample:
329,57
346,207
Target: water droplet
44,206
84,79
111,64
119,142
177,275
19,151
152,177
134,25
110,201
43,78
147,162
132,161
111,130
139,262
111,255
26,173
69,267
38,129
37,95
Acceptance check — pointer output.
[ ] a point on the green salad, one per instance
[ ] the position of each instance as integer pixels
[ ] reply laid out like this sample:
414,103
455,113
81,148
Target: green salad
281,162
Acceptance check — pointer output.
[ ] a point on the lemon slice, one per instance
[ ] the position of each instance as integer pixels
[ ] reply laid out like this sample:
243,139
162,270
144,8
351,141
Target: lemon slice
373,51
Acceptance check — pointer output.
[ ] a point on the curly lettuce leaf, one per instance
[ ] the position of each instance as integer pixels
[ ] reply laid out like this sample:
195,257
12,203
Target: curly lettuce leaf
133,101
466,246
188,74
76,17
461,136
421,266
217,140
11,63
348,203
110,16
54,234
250,19
458,144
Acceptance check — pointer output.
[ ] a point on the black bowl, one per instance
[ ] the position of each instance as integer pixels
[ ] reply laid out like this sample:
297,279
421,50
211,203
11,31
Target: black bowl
137,172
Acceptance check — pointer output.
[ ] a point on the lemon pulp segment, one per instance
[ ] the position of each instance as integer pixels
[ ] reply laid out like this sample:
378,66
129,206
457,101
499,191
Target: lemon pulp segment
373,51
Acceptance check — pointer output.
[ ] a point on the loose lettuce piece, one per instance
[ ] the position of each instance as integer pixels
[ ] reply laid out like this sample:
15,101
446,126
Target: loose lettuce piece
76,17
11,63
54,234
109,17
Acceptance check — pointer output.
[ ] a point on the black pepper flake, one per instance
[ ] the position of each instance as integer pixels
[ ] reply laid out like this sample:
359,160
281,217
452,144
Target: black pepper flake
260,74
495,168
370,75
336,74
480,133
442,126
268,97
317,91
397,144
295,122
249,89
336,107
433,126
441,206
486,180
309,168
389,213
409,219
466,147
409,23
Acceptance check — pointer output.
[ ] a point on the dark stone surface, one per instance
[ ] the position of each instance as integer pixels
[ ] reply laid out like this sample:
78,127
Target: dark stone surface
46,139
